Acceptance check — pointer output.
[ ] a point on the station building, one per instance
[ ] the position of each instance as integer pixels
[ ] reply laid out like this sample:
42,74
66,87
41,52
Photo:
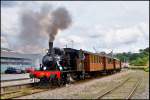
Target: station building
11,58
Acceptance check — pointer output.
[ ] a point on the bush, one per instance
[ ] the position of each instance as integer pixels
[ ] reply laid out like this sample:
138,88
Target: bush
146,69
139,61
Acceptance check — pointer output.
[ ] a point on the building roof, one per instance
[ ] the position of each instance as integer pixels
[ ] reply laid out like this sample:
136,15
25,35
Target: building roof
12,54
6,49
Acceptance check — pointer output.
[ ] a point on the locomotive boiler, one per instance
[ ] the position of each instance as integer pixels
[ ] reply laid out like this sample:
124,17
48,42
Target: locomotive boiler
51,61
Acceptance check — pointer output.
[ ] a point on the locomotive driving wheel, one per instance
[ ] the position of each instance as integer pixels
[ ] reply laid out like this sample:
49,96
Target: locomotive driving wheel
44,82
60,82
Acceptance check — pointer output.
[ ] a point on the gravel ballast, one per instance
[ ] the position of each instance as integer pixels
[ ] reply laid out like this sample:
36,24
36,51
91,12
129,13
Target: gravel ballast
88,90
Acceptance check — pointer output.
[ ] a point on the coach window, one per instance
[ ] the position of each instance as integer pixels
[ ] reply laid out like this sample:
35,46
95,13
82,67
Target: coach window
109,61
100,60
92,58
96,59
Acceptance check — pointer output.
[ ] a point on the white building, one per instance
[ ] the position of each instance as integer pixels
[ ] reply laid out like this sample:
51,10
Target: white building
11,58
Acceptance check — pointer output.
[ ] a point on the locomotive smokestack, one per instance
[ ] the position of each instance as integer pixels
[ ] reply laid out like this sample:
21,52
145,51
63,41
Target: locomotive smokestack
50,47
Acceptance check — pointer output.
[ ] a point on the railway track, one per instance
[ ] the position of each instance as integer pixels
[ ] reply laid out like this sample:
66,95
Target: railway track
9,92
124,90
15,80
15,91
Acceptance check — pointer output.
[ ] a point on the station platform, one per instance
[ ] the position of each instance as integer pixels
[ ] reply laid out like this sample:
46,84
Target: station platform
18,82
5,77
15,79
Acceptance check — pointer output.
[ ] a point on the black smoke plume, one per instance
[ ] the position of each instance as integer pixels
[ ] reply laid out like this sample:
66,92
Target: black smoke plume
36,26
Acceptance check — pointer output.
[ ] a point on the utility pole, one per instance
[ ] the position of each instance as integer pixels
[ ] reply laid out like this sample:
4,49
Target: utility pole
72,42
112,53
95,49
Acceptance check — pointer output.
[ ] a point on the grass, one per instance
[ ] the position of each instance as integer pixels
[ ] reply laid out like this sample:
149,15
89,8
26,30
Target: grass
25,91
137,67
145,68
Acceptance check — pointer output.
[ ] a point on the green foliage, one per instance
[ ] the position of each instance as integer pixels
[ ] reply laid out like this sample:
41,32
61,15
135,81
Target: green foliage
139,61
146,69
136,59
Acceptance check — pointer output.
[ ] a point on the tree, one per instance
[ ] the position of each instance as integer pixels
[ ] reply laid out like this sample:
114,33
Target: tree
137,59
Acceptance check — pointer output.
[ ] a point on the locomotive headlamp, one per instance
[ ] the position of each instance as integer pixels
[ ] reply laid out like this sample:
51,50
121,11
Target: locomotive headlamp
44,68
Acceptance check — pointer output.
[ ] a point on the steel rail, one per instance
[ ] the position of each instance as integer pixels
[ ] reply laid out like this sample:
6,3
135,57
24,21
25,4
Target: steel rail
133,90
19,79
77,82
119,85
107,92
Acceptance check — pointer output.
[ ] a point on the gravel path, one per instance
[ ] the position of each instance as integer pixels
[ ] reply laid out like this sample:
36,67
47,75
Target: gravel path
87,90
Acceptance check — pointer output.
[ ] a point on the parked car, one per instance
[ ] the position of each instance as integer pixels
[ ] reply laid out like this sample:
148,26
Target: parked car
29,69
12,70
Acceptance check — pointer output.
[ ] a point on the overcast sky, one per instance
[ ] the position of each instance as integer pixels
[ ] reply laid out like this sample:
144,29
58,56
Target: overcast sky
121,26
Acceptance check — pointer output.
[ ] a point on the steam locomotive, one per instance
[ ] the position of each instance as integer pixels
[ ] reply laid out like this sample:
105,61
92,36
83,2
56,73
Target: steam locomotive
62,66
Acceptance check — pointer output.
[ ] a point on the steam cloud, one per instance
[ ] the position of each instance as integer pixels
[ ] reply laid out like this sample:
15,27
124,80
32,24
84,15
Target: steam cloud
38,25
